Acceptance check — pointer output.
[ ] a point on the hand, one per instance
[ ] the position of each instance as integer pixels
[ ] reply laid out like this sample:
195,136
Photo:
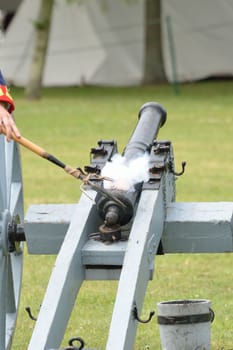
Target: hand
7,121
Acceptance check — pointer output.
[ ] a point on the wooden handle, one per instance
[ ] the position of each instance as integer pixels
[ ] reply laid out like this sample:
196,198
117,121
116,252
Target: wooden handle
26,143
42,153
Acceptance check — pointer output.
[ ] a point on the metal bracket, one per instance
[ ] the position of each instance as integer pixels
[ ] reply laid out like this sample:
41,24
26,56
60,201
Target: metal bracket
160,162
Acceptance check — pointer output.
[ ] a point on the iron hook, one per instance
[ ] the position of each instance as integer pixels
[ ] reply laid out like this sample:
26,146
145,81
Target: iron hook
183,165
28,310
80,340
135,314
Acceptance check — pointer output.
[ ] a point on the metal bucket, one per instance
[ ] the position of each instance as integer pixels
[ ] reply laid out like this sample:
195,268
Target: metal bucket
185,324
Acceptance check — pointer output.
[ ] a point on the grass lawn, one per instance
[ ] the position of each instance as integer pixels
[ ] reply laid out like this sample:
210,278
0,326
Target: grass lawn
67,123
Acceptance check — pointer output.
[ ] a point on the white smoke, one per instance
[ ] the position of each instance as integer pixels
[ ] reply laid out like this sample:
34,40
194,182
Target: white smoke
125,174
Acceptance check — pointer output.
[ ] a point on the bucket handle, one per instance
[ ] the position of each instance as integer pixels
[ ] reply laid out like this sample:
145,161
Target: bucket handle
212,315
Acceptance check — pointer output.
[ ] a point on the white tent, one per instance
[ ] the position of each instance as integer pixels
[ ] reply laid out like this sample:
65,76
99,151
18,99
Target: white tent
101,42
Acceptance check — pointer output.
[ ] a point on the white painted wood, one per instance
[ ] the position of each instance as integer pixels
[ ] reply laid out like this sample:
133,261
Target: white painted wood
136,271
45,226
198,227
189,227
66,279
99,253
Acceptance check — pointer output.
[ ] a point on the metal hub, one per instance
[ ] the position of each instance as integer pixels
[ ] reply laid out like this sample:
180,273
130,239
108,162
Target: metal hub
11,233
5,219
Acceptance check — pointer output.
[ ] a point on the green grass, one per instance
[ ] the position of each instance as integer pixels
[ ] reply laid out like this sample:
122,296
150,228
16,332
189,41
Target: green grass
67,123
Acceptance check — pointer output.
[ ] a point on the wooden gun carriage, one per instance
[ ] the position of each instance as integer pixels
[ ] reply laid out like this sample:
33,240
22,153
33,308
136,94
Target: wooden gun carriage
114,236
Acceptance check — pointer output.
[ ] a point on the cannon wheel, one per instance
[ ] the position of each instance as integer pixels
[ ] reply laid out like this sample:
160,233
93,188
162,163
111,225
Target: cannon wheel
11,255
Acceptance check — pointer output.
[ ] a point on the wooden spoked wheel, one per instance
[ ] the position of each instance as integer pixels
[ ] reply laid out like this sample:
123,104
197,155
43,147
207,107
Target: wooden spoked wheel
11,252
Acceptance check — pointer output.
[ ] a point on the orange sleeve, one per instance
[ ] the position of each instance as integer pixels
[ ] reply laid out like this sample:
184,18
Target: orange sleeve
6,97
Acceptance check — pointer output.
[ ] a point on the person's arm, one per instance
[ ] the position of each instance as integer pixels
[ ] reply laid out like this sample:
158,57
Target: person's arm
7,106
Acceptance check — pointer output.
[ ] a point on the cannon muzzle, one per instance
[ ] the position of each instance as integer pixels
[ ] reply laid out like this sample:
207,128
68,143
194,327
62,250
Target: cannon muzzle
150,118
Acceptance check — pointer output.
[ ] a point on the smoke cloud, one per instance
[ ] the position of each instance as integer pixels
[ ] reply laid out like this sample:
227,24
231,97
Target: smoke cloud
125,174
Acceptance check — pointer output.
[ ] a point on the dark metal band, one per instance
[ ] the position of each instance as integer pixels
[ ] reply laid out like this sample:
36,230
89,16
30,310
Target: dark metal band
173,320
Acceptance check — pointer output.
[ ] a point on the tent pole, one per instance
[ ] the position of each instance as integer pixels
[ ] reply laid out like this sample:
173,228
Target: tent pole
171,45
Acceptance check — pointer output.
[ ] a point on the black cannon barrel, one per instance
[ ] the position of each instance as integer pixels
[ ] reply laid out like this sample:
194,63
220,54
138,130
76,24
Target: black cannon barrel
151,117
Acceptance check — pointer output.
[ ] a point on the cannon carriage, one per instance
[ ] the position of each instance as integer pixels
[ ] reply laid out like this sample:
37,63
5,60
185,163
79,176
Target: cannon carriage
114,236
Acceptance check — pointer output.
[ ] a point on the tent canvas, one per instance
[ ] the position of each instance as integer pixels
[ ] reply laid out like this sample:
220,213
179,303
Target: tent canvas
102,43
202,35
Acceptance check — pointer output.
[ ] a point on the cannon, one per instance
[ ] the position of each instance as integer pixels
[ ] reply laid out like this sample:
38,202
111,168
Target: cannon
151,117
114,236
